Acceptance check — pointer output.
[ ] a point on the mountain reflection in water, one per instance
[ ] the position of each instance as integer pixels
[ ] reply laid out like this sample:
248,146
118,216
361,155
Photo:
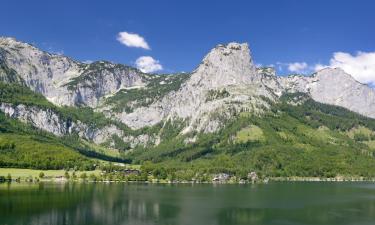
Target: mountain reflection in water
275,203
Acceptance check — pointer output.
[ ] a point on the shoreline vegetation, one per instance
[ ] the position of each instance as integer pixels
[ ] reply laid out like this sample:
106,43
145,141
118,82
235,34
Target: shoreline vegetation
131,175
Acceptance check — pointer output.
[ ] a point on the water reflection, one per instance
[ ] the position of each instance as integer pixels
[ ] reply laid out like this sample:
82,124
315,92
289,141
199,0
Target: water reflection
81,204
280,203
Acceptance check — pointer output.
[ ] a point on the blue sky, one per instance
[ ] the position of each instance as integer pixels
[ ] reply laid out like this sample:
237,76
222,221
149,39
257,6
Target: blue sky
180,33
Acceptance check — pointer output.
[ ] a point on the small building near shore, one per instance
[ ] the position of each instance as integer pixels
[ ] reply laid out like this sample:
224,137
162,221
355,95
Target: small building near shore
132,172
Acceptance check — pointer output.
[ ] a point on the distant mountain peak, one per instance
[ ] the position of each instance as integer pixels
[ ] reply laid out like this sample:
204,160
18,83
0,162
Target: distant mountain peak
11,42
334,73
8,39
224,65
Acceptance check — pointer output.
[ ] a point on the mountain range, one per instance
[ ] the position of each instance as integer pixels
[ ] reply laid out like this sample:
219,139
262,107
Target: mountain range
227,114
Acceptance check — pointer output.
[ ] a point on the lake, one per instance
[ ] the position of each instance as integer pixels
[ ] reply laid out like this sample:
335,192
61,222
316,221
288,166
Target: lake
118,203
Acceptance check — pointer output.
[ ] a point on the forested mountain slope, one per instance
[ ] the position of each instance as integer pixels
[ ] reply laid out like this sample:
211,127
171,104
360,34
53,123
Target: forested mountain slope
226,115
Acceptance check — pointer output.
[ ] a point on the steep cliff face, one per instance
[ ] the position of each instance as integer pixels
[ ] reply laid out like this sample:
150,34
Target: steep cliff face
225,65
44,119
62,80
100,79
335,87
50,121
42,72
225,83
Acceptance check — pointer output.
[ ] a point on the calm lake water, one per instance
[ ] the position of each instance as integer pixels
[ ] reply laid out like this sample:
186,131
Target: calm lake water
274,203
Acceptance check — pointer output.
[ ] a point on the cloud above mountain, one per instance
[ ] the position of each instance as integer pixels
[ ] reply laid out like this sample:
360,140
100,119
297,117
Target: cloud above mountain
147,64
297,67
132,40
294,67
361,65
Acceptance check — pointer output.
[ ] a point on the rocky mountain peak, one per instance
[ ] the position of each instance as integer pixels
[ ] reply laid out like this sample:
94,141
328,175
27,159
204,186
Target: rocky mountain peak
336,87
225,65
12,45
8,41
333,73
63,80
41,71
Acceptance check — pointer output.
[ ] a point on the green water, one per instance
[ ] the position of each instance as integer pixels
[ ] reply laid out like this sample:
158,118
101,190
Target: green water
274,203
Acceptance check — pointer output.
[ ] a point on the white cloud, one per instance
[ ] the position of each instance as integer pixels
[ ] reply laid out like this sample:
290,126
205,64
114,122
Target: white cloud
297,67
319,66
132,40
361,66
147,64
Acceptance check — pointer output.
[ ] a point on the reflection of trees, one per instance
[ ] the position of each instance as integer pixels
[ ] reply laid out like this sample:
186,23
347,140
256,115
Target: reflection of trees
33,198
283,203
83,204
25,201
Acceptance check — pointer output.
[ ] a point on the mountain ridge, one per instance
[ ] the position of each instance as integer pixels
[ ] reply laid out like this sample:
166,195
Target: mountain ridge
224,67
85,96
212,110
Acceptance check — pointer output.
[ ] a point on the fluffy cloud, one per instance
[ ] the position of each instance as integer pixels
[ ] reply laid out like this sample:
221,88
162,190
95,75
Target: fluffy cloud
318,67
132,40
297,67
147,64
361,66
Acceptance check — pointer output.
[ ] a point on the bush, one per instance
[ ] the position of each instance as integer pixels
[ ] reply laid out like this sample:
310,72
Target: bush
360,137
83,176
92,177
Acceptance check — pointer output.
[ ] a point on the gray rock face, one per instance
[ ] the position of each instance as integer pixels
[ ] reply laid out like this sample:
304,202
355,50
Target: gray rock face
41,71
48,120
226,69
100,79
225,65
45,119
335,87
62,80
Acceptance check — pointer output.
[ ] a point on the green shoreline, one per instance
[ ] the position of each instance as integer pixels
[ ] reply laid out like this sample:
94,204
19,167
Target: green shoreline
99,176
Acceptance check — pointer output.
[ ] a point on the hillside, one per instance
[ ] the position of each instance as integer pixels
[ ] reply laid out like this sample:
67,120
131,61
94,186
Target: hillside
309,139
225,116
